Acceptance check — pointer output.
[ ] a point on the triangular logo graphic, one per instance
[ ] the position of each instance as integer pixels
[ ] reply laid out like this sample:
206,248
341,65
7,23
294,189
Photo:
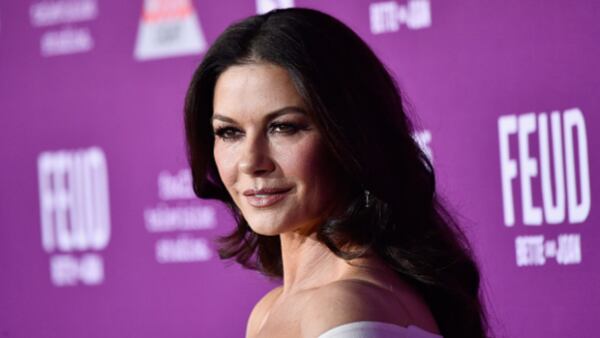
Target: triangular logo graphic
168,28
263,6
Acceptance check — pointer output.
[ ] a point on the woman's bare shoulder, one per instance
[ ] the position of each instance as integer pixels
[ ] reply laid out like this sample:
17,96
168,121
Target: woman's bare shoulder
259,311
351,300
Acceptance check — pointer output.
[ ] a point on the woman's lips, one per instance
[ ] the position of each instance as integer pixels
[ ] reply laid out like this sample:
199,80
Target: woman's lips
267,197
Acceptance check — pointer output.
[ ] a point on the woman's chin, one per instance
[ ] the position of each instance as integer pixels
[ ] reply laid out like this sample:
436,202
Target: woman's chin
266,230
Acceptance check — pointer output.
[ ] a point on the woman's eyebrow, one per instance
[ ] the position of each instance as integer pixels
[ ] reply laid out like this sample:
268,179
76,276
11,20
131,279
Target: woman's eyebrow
285,110
270,116
222,118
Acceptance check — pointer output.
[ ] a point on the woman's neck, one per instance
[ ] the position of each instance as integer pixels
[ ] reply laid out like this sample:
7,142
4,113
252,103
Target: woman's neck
308,263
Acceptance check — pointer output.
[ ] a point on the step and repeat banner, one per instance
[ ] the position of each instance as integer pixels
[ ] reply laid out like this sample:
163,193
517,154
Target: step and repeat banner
102,236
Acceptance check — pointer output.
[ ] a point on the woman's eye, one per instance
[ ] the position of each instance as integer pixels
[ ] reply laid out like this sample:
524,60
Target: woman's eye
228,133
284,128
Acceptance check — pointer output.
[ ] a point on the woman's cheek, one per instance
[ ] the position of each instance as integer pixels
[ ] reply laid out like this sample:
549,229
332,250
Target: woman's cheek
225,164
302,159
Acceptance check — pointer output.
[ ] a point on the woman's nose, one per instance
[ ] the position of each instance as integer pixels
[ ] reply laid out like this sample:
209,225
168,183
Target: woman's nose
256,159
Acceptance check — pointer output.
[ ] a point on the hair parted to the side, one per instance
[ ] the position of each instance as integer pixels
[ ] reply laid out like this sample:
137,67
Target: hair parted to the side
356,106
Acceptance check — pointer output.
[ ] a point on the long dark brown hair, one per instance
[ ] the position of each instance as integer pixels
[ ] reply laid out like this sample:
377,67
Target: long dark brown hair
358,109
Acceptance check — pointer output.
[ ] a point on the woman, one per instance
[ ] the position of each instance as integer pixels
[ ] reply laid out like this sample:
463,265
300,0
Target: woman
294,123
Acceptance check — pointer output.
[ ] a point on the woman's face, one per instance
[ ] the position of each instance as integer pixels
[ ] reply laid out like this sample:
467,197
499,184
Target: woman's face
269,153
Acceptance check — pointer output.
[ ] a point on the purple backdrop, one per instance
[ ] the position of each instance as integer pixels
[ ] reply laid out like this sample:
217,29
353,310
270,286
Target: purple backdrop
101,237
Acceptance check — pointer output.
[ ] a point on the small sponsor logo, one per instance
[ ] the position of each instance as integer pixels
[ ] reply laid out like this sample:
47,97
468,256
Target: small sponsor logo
168,28
48,13
389,16
264,6
62,24
177,218
536,250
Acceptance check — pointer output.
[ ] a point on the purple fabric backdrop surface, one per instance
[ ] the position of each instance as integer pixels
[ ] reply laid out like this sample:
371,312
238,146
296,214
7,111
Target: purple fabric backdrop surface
101,237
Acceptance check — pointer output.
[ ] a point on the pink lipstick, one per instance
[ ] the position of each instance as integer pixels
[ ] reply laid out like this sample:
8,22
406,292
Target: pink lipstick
265,197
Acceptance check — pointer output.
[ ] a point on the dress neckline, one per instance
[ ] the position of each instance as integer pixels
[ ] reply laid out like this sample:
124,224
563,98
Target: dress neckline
389,327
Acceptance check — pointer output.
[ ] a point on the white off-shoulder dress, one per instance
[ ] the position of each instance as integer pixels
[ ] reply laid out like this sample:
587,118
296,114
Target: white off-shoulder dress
370,329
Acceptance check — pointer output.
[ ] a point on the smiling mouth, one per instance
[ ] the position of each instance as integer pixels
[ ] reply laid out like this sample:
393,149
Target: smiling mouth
264,198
